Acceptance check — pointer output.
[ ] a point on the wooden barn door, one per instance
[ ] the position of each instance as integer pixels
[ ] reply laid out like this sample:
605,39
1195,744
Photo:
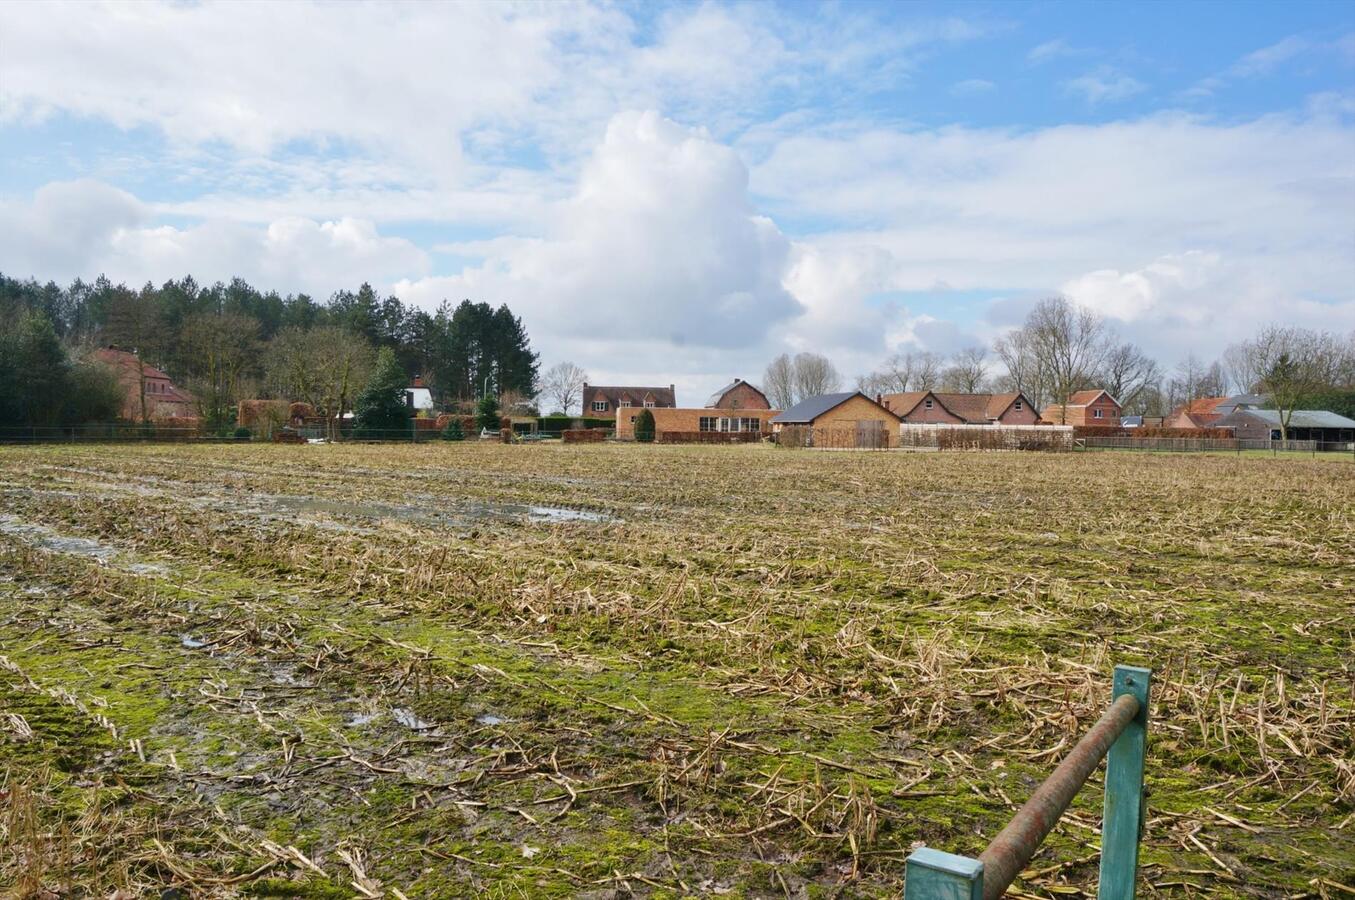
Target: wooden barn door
869,434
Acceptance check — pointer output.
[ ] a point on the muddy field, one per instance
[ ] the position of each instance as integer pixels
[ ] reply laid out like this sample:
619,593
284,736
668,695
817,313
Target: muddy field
463,670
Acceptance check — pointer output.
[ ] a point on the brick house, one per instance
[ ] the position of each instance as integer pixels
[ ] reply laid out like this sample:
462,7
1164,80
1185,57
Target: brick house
931,407
1095,407
1205,411
688,421
849,419
163,399
738,394
601,401
1304,425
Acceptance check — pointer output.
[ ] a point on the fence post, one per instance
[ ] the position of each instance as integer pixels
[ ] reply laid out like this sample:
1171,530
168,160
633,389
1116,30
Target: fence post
1122,819
932,875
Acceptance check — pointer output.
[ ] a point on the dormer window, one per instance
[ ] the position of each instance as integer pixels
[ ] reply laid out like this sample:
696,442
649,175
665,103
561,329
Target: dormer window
649,404
599,406
624,403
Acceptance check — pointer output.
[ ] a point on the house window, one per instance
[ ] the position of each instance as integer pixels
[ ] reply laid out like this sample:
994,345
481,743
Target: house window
751,425
1097,414
708,423
599,406
649,404
624,403
1017,405
927,404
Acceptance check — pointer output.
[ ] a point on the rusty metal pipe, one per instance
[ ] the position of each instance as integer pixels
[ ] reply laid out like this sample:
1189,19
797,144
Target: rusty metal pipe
1012,849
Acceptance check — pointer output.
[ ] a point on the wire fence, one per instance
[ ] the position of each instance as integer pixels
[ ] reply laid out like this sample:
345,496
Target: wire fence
1215,445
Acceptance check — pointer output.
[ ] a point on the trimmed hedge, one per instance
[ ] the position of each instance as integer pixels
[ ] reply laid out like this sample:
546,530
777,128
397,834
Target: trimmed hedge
710,437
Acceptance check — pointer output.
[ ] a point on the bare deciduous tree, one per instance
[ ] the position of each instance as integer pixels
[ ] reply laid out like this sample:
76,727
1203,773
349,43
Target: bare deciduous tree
220,350
1023,373
1069,344
967,372
1288,364
1131,377
779,382
814,375
907,371
562,384
326,367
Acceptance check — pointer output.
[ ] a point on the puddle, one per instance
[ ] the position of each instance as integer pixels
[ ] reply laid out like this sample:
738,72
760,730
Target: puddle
407,718
464,514
44,538
488,719
191,642
362,719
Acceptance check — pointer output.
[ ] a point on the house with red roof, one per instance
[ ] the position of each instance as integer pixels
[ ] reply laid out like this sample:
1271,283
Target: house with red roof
944,408
604,400
1094,407
163,399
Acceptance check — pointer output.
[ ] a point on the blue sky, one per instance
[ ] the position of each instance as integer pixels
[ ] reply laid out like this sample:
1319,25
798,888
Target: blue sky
679,192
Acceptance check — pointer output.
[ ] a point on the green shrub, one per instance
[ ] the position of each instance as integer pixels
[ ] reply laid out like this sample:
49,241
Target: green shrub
454,431
243,433
487,413
644,427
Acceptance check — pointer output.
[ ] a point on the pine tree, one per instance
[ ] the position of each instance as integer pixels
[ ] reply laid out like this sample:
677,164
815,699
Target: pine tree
381,409
454,431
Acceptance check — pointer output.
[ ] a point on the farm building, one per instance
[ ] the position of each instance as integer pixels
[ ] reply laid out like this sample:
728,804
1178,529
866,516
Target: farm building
1205,411
738,394
849,419
680,424
931,407
1095,407
163,399
1304,425
602,400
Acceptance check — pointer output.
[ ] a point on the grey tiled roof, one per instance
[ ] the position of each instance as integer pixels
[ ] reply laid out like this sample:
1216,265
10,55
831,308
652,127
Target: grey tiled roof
811,408
1301,418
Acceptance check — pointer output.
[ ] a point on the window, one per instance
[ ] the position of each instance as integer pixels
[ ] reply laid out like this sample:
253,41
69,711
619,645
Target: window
649,404
751,425
727,424
1017,405
632,420
599,406
624,403
708,423
1098,414
927,404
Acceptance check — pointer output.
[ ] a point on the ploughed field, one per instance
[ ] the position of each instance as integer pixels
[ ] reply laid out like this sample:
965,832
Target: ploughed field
455,670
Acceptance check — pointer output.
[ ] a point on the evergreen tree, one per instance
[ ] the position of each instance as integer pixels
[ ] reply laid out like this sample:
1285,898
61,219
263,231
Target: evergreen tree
454,431
487,413
644,427
381,409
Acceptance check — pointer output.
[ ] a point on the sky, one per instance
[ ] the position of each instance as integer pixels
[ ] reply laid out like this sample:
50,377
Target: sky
676,193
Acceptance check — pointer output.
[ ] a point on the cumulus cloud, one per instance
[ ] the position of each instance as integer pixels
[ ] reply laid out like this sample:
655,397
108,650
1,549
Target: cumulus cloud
86,228
659,242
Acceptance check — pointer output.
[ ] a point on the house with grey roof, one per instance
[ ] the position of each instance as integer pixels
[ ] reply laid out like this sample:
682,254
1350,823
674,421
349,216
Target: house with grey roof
738,394
1304,425
848,420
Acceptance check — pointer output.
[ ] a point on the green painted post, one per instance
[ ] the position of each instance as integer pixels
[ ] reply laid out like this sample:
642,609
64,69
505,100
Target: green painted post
1123,811
932,875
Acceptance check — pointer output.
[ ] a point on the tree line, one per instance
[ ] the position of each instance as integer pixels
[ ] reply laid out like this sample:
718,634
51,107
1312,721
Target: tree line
1062,348
230,341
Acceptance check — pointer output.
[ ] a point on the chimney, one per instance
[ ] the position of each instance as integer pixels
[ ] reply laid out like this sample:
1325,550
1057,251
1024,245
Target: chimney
418,381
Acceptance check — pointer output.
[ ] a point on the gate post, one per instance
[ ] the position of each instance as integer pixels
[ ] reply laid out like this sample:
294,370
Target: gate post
932,875
1122,820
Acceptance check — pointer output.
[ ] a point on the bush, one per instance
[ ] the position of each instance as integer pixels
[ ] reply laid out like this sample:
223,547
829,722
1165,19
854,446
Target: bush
242,433
454,431
644,427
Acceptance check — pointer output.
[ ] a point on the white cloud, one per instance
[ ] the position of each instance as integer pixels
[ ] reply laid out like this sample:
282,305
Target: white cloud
86,228
659,243
1104,85
971,86
1054,49
1265,60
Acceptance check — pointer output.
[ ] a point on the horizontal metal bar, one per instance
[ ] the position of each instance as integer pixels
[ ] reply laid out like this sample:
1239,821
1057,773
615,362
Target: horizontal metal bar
1016,844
